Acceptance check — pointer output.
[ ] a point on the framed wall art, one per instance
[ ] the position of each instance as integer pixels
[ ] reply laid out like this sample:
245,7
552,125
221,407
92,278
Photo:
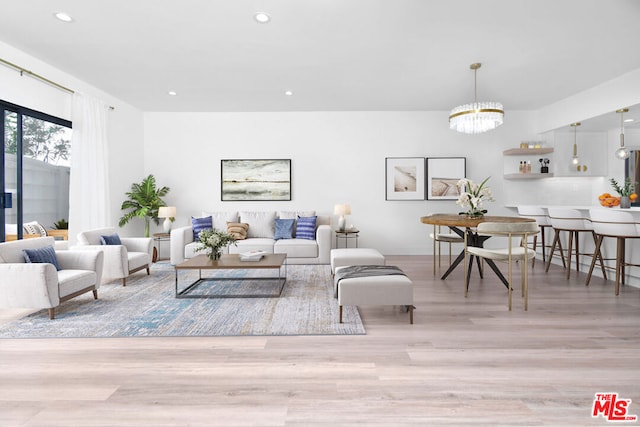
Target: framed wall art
405,178
255,180
443,173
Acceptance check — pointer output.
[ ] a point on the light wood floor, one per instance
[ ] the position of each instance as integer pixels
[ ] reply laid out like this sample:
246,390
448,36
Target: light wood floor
464,362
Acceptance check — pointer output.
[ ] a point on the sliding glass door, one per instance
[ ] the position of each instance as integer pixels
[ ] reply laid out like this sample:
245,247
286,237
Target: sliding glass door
35,171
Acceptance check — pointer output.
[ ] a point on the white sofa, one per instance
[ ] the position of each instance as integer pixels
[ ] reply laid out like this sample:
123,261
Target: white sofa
40,285
260,236
134,254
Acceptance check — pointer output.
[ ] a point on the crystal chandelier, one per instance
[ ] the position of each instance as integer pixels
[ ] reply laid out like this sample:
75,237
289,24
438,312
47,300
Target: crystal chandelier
476,117
622,152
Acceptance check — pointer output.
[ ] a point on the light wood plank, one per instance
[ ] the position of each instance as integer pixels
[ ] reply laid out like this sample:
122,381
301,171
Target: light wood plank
465,361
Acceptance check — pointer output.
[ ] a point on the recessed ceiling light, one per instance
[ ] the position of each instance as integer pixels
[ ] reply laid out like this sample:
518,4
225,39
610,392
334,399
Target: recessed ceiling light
261,17
288,92
628,120
64,17
172,93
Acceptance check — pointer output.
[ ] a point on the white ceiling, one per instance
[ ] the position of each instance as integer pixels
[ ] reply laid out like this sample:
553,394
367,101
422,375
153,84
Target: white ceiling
333,54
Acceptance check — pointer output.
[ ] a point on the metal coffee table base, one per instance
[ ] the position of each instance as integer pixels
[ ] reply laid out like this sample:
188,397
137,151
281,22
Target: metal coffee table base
188,291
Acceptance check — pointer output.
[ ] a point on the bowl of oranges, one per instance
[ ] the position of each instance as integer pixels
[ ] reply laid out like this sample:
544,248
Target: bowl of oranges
608,201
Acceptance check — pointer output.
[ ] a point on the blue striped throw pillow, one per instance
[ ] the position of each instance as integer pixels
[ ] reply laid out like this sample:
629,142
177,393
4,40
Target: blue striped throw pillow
306,228
42,255
199,224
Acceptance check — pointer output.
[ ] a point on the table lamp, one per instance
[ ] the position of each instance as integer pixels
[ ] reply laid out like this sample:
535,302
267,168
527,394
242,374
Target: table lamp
168,213
342,210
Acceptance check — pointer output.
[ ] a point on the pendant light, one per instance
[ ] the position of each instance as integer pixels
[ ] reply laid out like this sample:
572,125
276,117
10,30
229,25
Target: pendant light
622,152
575,160
476,117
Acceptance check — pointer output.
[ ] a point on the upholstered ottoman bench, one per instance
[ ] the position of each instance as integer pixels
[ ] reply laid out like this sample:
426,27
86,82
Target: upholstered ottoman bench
373,285
355,256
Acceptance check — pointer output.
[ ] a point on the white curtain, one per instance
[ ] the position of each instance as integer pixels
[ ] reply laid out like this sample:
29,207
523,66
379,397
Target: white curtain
89,187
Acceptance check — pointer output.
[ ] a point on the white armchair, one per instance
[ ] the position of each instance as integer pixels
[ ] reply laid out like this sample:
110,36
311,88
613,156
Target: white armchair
40,285
134,254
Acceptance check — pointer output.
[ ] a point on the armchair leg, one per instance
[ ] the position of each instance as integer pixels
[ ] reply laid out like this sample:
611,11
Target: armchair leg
148,271
340,314
124,281
95,294
52,313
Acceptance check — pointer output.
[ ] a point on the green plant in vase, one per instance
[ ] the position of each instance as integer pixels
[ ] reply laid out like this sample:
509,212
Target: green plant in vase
61,225
626,192
144,200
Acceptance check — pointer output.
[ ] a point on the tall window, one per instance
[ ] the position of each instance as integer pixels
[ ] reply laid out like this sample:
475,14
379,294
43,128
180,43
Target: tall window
35,170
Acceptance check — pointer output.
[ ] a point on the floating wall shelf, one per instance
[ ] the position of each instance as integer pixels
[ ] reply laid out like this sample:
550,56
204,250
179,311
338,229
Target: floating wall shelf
527,151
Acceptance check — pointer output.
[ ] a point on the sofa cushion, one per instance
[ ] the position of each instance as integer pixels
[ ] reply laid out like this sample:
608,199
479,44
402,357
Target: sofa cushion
199,224
296,248
284,228
45,254
261,224
70,281
138,259
255,244
306,228
220,219
238,230
111,239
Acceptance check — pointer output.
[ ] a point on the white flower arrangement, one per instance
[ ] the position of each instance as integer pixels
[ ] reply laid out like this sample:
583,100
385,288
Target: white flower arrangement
213,241
472,196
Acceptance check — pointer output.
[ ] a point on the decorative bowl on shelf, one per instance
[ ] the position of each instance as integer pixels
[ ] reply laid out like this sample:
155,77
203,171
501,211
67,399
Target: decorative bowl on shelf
608,201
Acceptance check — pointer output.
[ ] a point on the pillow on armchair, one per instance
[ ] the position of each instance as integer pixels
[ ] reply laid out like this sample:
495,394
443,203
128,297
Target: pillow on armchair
45,255
112,239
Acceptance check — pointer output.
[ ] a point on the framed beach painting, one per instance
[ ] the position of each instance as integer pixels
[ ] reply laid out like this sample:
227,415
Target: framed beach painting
443,173
255,180
404,178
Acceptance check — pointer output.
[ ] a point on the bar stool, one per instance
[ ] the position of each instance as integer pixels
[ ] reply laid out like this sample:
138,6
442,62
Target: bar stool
540,215
439,237
572,221
619,225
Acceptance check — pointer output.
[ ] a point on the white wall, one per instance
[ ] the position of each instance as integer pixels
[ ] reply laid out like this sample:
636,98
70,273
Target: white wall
126,155
337,157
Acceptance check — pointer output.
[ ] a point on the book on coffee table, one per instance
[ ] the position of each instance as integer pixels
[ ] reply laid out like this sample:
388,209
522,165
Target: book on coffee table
255,255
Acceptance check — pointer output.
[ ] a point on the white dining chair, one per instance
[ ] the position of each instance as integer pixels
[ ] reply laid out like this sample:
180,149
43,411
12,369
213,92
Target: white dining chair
619,225
438,239
516,250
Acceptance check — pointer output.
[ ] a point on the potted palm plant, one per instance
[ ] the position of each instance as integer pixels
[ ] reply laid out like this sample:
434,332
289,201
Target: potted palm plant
143,201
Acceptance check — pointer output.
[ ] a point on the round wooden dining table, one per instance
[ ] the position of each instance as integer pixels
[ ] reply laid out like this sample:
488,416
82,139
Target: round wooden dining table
458,222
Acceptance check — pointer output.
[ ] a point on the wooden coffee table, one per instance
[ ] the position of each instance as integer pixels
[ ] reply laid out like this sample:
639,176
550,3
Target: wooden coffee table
231,262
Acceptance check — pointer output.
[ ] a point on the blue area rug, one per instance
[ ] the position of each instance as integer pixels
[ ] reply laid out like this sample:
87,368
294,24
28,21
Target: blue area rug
147,307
